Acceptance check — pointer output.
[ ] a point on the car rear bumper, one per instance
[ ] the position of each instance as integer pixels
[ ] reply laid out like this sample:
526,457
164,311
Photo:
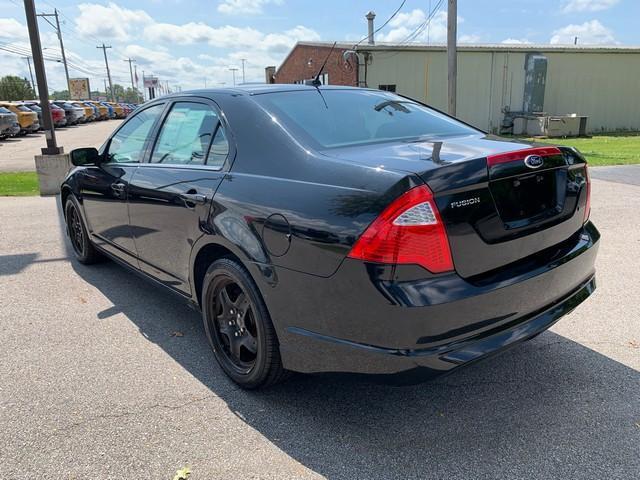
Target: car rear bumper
368,320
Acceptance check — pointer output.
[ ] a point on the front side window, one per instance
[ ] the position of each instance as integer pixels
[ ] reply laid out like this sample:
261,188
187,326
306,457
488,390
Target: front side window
186,135
337,118
127,145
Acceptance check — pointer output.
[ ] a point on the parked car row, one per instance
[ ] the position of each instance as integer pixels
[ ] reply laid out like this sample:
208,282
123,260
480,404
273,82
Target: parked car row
22,118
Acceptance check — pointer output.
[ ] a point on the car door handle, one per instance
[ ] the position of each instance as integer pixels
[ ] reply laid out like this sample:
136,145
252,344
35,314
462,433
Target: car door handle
118,187
194,198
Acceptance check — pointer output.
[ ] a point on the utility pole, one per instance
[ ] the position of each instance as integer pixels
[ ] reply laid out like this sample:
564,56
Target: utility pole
233,70
59,33
106,91
243,60
452,54
106,62
33,85
38,64
131,72
135,68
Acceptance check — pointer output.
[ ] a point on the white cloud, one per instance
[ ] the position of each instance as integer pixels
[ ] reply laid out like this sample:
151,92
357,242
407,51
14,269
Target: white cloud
588,5
588,33
13,30
227,36
517,41
110,22
412,24
404,25
244,7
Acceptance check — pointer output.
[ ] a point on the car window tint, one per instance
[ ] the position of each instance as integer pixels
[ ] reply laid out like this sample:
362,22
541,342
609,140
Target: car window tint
335,118
219,149
185,135
127,146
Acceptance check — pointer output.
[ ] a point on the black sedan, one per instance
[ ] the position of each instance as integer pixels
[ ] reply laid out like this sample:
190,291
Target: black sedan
337,229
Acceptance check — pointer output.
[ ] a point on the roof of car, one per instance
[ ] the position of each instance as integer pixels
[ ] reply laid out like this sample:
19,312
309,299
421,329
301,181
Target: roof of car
257,89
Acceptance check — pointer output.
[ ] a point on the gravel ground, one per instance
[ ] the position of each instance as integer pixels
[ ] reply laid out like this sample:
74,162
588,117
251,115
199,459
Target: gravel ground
97,384
16,154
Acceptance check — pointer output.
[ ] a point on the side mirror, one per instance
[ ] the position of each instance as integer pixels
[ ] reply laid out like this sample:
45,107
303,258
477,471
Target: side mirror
85,156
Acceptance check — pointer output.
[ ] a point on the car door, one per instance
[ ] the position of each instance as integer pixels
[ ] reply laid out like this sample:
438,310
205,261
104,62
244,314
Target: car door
104,187
170,195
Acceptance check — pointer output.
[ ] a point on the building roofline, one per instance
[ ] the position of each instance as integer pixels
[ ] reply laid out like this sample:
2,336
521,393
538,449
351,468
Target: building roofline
488,47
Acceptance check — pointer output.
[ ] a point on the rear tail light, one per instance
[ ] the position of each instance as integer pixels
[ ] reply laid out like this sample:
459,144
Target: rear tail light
408,231
587,206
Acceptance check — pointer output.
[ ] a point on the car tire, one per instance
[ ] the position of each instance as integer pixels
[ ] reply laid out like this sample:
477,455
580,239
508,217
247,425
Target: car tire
242,320
83,249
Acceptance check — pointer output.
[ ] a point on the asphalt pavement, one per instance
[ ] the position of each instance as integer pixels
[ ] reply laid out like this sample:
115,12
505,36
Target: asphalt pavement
104,376
16,154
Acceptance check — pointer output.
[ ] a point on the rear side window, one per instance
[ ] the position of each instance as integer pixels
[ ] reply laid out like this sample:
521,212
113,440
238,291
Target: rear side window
336,118
219,148
186,134
127,145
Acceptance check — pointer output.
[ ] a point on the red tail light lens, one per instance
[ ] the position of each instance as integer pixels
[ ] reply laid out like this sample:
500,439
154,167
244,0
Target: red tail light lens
587,206
408,231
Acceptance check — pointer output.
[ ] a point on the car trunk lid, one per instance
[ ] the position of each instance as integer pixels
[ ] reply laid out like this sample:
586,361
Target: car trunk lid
500,201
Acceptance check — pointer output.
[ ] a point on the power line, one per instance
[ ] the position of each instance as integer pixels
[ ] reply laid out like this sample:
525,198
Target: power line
384,24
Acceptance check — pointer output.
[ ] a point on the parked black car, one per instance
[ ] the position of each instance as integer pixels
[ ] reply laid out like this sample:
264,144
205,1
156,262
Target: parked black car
335,229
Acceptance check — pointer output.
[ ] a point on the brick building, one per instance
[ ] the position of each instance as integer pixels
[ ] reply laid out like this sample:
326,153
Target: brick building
306,58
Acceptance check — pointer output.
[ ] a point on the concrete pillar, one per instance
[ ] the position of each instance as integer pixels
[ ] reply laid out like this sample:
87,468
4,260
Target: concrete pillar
51,170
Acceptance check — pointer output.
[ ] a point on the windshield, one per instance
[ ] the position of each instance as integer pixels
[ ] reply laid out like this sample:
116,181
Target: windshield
4,110
336,118
22,108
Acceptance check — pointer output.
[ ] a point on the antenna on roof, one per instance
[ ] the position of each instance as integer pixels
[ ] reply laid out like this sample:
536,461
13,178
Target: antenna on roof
316,81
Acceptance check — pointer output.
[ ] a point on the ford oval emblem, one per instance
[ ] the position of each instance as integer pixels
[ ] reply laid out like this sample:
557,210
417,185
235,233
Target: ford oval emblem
534,161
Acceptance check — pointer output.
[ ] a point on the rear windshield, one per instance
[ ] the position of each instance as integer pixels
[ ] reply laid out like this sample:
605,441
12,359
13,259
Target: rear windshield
4,110
22,108
337,118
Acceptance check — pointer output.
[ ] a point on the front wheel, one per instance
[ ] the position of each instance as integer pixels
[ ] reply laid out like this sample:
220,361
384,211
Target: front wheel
239,328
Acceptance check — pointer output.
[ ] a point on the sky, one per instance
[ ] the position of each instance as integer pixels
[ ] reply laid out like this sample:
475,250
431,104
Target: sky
192,42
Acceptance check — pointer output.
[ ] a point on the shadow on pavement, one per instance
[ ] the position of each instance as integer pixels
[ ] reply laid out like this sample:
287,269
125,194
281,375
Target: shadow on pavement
549,408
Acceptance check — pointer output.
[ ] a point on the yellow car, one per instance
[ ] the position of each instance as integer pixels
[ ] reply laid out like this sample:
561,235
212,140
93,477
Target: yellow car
104,111
27,118
117,109
88,111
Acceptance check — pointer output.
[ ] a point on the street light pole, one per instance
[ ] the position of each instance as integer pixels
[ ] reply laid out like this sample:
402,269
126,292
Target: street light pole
233,71
38,64
452,54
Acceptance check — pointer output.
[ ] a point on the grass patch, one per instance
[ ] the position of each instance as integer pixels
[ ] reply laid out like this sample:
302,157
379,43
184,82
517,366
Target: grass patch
14,184
608,149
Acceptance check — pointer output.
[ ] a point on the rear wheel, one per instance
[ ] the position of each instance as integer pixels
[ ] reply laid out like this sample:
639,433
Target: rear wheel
239,327
83,249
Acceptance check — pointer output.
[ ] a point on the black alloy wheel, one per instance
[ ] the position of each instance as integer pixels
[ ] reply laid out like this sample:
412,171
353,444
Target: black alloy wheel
83,249
239,327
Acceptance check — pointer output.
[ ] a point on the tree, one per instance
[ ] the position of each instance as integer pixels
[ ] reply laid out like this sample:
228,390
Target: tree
15,88
128,95
60,95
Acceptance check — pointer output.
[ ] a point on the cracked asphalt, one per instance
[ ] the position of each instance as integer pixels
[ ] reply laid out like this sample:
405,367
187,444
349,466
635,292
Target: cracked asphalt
97,383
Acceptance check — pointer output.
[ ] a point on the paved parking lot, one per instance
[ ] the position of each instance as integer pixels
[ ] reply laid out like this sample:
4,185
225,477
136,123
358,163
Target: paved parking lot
16,154
105,376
